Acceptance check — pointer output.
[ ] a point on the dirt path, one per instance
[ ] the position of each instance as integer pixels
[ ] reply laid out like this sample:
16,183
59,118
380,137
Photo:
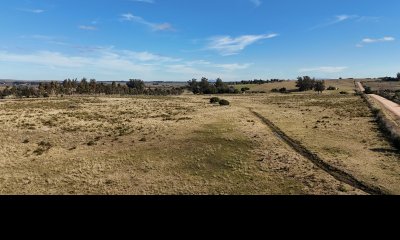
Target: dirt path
360,86
338,174
389,105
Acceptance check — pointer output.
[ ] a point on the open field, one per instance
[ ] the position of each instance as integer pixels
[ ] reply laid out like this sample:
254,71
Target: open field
383,85
184,145
290,85
341,130
343,85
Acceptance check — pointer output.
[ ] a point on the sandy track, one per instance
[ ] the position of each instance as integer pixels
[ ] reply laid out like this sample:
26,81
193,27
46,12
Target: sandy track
362,89
389,105
338,174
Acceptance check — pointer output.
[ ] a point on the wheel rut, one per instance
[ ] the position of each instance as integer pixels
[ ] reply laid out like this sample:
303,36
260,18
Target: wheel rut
335,172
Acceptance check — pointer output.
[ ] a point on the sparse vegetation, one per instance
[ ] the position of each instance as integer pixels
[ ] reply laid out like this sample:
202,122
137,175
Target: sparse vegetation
150,144
205,87
305,83
214,100
319,86
85,87
43,147
368,90
224,102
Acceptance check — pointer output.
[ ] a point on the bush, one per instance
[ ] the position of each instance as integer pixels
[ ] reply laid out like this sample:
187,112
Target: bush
368,90
283,90
275,90
214,100
245,89
344,93
331,88
224,102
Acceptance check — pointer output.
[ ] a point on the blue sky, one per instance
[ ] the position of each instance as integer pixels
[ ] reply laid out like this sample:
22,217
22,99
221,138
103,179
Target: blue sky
176,40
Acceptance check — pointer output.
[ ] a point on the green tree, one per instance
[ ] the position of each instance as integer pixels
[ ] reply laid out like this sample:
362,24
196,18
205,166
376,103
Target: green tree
136,84
194,86
305,83
219,83
204,86
83,86
398,76
319,86
92,86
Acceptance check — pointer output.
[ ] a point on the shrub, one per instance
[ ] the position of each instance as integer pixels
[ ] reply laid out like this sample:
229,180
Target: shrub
224,102
245,89
331,88
344,93
275,90
368,90
283,90
214,100
43,147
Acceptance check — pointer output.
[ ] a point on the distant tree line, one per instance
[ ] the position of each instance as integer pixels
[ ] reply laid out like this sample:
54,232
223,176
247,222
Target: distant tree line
85,87
260,81
307,83
205,87
391,79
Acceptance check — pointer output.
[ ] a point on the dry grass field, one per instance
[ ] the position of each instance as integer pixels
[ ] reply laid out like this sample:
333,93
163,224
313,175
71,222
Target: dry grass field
343,85
382,85
341,130
184,145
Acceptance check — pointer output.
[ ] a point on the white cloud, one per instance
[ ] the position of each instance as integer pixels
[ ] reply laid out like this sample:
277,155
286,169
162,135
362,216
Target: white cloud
114,61
147,56
144,1
37,11
154,26
341,18
374,40
227,45
256,3
87,28
233,66
107,63
338,19
323,69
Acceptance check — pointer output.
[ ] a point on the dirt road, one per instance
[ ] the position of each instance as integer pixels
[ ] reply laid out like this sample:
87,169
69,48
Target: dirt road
389,105
362,89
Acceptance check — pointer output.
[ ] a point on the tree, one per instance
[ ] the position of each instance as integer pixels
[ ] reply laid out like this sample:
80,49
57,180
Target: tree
92,86
136,84
219,83
319,86
204,86
305,83
83,86
398,76
194,86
